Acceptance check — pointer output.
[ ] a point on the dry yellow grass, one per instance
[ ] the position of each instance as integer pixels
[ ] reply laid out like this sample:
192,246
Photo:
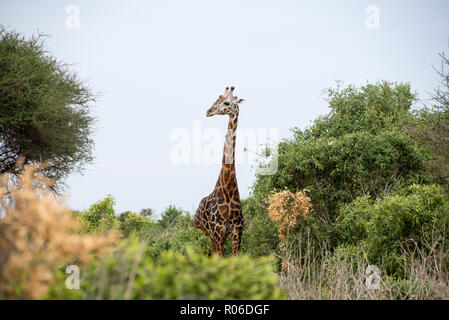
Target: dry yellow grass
37,233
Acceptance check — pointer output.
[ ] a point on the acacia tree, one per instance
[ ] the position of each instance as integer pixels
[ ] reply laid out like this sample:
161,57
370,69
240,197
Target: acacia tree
44,109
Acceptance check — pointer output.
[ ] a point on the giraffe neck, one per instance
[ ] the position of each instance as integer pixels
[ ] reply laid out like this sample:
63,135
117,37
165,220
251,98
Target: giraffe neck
227,176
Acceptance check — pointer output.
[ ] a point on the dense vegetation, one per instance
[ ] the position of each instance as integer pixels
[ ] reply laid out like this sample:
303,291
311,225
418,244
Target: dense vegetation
364,188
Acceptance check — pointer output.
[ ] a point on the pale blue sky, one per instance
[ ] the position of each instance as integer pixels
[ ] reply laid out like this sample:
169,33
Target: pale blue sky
161,64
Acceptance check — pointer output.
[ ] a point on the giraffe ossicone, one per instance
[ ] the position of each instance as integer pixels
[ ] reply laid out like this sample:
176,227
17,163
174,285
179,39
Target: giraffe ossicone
220,213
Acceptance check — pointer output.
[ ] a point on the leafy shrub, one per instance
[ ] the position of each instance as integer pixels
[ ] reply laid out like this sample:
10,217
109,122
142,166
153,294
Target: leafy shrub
372,108
338,171
99,216
178,234
130,274
352,254
131,222
419,214
260,232
359,149
169,216
198,277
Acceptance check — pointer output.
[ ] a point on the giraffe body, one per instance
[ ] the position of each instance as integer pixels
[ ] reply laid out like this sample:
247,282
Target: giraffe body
220,213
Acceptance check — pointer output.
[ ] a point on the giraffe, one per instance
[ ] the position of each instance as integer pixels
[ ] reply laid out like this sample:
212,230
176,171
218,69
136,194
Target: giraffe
220,213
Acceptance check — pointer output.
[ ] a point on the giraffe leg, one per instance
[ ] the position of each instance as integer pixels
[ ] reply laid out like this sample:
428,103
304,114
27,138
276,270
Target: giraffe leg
218,246
220,250
236,239
223,241
214,246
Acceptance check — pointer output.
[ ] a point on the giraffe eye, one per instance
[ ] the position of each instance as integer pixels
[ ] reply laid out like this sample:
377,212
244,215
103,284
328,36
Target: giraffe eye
226,103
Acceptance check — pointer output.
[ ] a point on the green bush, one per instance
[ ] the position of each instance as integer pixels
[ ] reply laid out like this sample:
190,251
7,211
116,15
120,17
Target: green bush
131,222
260,235
168,217
131,274
338,171
195,276
419,214
99,216
354,256
372,108
359,149
176,236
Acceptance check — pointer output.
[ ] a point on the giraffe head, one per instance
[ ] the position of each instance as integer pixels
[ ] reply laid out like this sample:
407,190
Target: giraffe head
225,104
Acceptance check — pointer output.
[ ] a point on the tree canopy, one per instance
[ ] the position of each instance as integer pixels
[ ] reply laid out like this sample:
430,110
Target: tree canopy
357,149
44,109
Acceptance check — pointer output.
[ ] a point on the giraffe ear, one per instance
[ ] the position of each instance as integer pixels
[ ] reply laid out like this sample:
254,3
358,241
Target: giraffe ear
240,101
